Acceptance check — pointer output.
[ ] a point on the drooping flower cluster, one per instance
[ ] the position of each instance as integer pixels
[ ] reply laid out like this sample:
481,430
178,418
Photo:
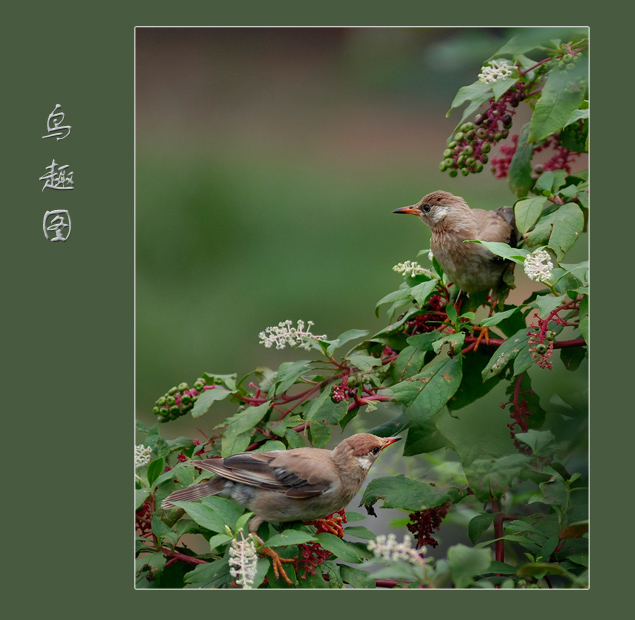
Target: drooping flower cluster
243,561
141,456
284,334
496,70
423,522
311,556
538,266
387,548
411,268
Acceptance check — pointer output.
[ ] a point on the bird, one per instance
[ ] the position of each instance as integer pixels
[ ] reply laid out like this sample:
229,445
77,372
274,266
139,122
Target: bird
471,266
302,484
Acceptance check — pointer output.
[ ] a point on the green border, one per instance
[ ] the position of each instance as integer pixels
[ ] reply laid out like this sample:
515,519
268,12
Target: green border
70,311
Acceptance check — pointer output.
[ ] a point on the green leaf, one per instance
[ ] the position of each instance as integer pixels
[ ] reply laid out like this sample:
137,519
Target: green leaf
561,96
140,496
479,524
204,515
502,85
578,115
549,182
505,353
401,295
409,362
342,549
319,434
347,336
424,437
356,577
519,173
359,531
401,492
516,255
496,318
218,540
466,563
501,568
155,469
422,291
227,510
427,392
424,342
211,575
572,357
527,212
290,537
288,374
237,435
205,400
567,226
323,409
547,303
476,92
390,428
364,362
538,441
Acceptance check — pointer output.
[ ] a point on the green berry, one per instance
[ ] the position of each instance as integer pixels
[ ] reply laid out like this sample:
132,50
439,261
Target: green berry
482,133
484,158
459,135
161,401
465,172
448,162
550,335
156,410
172,390
460,159
470,134
442,166
448,153
541,349
182,386
469,149
478,167
170,400
452,144
467,127
486,147
453,172
470,161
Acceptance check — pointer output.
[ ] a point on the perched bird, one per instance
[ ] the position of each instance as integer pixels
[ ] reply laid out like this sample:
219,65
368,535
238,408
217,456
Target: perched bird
302,484
471,266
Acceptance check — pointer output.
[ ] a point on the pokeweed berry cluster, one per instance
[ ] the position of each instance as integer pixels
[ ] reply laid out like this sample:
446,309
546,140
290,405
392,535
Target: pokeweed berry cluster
467,151
178,401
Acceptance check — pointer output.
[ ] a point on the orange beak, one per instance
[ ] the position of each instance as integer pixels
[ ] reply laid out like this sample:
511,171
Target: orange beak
412,210
390,440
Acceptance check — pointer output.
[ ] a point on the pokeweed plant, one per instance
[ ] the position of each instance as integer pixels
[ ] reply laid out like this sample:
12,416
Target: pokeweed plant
513,477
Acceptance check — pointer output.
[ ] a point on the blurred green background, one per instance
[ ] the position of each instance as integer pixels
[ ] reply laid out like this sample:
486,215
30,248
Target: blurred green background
268,162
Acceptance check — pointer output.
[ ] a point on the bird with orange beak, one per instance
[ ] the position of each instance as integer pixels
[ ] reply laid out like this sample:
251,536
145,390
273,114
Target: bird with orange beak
302,484
470,266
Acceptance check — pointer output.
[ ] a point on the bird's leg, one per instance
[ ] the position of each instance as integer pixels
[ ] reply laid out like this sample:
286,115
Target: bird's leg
332,525
276,561
484,334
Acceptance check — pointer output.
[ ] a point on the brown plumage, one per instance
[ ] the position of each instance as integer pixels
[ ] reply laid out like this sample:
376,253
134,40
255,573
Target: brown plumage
471,266
302,484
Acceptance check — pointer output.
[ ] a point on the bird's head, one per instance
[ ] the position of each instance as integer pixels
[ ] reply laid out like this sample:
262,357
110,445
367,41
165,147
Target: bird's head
437,209
362,449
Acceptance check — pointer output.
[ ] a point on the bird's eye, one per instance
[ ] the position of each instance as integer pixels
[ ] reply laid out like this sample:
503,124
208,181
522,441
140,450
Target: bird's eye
426,208
375,450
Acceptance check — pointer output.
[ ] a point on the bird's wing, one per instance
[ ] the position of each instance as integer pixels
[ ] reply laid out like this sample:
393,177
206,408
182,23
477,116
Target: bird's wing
289,472
498,225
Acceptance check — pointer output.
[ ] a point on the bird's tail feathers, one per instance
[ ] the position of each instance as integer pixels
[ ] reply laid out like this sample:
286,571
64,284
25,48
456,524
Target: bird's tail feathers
193,493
